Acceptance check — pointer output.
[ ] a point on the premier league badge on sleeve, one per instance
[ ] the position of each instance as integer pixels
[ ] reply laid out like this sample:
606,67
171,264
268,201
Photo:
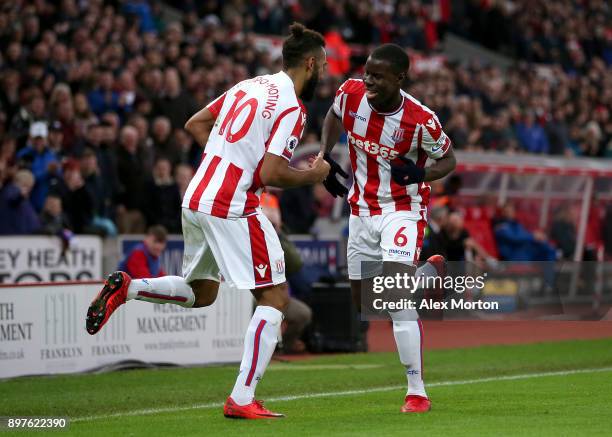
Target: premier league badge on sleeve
292,143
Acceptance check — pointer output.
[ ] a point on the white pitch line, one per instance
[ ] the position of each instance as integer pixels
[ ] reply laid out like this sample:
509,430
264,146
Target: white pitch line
148,411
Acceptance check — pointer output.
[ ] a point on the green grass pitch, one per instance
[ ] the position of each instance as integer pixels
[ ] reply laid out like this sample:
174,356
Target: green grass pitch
562,388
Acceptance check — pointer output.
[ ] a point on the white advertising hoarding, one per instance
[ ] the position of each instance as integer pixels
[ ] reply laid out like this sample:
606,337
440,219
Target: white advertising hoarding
42,330
44,259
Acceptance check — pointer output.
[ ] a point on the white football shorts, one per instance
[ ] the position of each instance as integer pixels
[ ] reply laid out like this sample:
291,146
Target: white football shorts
246,251
395,236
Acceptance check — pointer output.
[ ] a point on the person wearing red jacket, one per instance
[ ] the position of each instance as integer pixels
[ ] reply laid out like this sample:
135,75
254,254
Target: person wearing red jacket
143,260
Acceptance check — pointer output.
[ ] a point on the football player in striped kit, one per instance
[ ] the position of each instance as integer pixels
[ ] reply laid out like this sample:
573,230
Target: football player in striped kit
390,137
250,133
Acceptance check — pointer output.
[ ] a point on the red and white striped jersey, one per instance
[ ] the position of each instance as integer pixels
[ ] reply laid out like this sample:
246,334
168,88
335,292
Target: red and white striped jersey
375,138
256,116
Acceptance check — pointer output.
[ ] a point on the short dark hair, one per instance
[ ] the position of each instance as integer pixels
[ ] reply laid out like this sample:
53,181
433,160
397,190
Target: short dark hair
299,43
393,54
158,232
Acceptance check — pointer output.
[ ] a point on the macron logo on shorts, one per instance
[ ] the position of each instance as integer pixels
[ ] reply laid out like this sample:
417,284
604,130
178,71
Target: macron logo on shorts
261,269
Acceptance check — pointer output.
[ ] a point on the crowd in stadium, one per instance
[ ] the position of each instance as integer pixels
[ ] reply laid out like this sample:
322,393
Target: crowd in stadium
95,94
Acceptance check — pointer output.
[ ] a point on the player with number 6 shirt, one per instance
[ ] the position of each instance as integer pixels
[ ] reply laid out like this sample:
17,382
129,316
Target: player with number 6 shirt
249,134
390,136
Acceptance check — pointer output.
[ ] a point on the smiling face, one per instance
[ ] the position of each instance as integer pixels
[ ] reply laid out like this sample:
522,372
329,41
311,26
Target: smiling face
382,84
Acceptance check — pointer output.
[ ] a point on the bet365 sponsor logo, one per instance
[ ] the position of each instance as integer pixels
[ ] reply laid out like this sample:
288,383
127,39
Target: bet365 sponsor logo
371,147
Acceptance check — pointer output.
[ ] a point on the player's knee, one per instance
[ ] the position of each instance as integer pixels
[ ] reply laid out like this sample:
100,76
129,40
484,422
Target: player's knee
275,297
205,292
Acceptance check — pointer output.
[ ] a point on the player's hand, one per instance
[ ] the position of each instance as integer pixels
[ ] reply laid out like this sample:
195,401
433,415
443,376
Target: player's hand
407,172
331,183
319,168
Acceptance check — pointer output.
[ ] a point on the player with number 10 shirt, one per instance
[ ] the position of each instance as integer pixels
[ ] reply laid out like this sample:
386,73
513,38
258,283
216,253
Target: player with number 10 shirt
249,135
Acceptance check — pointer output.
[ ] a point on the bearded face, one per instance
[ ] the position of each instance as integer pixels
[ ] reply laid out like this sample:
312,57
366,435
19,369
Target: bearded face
311,85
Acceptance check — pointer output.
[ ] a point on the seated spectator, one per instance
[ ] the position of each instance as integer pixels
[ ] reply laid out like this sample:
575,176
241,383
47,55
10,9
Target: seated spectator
161,134
184,149
101,192
563,232
18,216
77,200
182,176
42,162
34,111
531,135
162,204
434,242
104,98
458,241
53,221
143,260
132,177
516,243
56,138
175,103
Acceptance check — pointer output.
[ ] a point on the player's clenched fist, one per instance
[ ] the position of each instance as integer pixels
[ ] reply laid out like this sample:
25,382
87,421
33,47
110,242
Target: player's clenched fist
319,168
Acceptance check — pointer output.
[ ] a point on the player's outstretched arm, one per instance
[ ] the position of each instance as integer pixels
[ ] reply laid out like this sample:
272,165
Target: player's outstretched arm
275,171
332,129
200,125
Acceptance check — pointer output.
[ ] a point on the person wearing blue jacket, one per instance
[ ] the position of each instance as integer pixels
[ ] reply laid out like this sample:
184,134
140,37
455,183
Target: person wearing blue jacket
516,243
41,161
532,136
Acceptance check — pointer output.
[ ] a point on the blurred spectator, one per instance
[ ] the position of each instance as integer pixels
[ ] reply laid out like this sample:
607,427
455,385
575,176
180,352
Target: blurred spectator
531,136
434,242
182,176
77,200
455,237
515,243
184,149
563,231
53,221
42,162
298,209
132,177
338,54
458,242
22,120
162,204
175,104
297,314
18,216
104,98
56,139
100,190
143,260
323,201
106,160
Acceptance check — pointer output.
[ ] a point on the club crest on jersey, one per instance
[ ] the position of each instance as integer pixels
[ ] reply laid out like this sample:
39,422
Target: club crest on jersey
398,134
280,266
431,124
